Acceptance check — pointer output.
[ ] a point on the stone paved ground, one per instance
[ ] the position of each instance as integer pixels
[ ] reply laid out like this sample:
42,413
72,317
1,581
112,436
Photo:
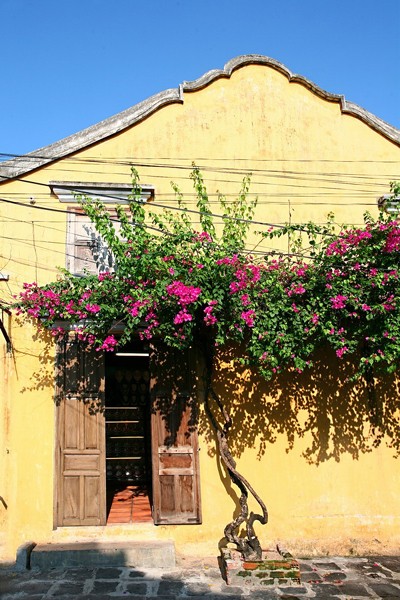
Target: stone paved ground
322,579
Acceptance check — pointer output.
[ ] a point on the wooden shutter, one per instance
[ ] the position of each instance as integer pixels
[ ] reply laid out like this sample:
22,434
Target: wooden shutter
175,460
80,445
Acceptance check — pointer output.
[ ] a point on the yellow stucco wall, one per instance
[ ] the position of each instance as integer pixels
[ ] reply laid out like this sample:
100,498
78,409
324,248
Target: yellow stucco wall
307,158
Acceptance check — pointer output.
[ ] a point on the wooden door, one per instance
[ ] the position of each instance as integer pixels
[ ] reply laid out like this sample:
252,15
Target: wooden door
175,460
80,444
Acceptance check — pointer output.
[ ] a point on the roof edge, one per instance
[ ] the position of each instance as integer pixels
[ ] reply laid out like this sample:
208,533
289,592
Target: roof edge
112,125
26,163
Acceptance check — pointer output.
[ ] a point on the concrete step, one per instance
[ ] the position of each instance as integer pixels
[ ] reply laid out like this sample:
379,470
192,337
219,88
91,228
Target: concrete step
156,554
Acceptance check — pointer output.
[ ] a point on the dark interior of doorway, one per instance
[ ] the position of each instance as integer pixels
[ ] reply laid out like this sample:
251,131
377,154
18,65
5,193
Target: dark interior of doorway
128,451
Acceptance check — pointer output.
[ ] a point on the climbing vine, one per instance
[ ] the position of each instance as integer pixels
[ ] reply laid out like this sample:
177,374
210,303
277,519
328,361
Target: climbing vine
174,282
187,285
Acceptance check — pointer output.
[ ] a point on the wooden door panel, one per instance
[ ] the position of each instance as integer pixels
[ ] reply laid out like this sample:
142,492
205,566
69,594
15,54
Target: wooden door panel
68,356
92,495
93,429
176,481
81,463
71,495
176,462
167,496
80,457
71,424
187,493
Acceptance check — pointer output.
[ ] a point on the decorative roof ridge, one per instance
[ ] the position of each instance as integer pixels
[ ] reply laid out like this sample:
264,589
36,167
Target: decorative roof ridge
116,123
350,108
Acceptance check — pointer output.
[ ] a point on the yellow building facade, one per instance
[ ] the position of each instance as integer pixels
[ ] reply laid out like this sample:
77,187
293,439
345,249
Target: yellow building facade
310,153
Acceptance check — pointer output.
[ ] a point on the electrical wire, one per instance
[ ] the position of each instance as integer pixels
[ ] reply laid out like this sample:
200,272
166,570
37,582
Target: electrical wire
79,190
289,181
223,217
127,160
231,170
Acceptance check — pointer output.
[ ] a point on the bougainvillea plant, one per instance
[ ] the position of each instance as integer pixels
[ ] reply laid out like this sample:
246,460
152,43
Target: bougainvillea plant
186,284
178,282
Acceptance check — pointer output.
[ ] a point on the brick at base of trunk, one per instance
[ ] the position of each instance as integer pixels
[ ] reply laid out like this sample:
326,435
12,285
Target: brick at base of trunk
277,567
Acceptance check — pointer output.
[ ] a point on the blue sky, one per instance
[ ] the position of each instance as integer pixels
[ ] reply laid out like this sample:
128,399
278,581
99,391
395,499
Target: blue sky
69,64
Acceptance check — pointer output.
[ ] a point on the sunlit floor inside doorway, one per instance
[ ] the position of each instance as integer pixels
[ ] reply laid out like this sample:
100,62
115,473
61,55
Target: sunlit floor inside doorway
129,504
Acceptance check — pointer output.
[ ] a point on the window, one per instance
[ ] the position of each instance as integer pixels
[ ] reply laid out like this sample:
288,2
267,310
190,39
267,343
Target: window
390,204
86,252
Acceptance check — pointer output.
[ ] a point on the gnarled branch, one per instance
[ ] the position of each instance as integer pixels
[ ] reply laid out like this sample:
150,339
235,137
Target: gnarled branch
249,545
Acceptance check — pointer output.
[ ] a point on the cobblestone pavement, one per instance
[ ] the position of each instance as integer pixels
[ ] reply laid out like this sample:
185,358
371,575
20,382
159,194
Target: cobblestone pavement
322,579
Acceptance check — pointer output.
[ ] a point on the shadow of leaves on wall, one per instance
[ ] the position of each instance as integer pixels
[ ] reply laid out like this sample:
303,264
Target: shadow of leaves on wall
322,406
330,413
42,376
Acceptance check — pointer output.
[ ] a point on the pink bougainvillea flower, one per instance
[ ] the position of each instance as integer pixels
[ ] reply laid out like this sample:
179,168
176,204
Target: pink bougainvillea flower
301,271
58,332
248,317
245,299
228,260
348,240
296,289
108,345
341,351
92,308
104,276
209,317
390,303
186,294
393,240
202,237
134,307
182,317
338,301
246,275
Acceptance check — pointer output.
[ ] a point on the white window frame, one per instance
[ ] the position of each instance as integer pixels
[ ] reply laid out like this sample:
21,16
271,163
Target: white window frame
109,193
390,204
81,233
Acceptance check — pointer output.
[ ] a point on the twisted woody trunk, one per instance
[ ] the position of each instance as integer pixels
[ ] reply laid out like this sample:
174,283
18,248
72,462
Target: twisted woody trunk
248,544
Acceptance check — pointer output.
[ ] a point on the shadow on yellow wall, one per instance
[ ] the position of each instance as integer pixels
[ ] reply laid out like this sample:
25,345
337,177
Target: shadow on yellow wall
42,375
334,415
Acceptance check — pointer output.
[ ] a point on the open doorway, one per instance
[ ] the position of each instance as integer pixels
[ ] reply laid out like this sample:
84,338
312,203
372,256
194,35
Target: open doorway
128,444
86,410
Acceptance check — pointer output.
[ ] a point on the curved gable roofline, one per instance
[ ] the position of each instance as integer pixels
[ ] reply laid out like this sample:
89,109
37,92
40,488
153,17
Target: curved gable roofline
117,123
